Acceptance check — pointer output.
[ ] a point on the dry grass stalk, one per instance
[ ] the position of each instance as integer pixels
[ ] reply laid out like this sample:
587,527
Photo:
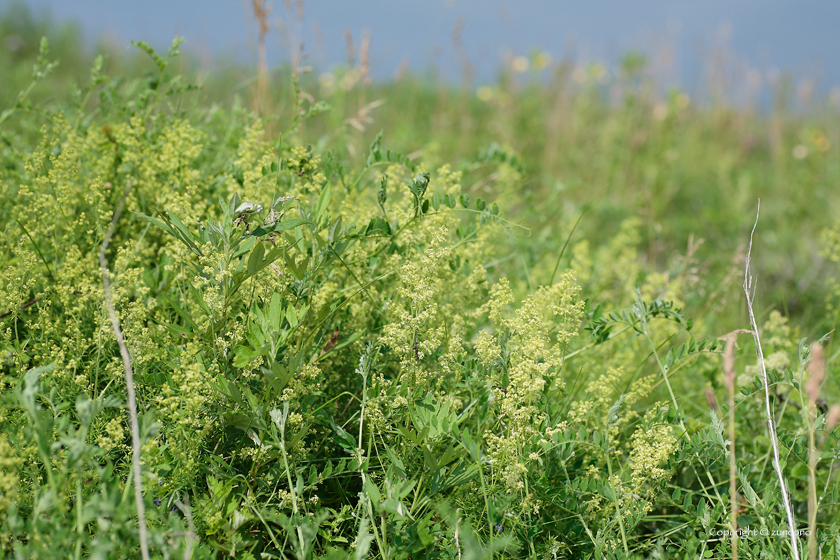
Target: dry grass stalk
463,55
749,292
729,361
134,423
364,59
729,380
401,71
261,13
816,369
351,49
363,117
191,535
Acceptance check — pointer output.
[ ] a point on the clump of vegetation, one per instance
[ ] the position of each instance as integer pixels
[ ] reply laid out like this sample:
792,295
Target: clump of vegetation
341,352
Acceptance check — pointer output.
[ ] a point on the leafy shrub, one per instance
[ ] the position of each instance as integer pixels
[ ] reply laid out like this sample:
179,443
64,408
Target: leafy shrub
330,360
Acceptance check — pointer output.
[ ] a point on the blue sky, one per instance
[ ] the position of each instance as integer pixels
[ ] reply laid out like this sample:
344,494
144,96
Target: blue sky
796,37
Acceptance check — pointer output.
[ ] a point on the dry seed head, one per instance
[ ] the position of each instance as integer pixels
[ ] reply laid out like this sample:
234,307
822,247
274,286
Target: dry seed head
729,363
711,398
364,62
833,417
351,49
816,367
261,13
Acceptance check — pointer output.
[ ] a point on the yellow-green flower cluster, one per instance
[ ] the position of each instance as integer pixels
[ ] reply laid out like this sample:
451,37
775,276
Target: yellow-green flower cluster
409,336
113,436
651,450
539,332
9,480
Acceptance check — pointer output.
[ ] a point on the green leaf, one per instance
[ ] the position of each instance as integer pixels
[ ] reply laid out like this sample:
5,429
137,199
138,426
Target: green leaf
396,461
430,460
274,310
155,222
237,420
182,232
363,541
255,259
279,227
346,440
243,356
471,446
335,227
291,316
272,256
281,376
174,48
343,344
418,185
465,200
323,202
161,64
33,375
378,226
372,491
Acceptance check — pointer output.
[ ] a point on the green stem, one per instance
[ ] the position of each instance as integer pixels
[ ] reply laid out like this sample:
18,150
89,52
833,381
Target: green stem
674,401
615,496
568,238
733,473
79,524
486,501
291,484
38,250
664,376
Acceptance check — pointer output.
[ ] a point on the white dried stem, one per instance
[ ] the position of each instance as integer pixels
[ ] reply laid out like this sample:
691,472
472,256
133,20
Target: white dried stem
191,535
457,542
749,292
129,382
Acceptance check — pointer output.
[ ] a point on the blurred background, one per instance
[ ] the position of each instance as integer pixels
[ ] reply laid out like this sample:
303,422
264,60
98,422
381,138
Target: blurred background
670,118
684,41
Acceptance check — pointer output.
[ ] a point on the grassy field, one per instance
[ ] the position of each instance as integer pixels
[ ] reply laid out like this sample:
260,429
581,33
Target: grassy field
303,314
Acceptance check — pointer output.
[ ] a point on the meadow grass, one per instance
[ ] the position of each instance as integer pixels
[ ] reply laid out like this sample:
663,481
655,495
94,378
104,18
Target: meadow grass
302,315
